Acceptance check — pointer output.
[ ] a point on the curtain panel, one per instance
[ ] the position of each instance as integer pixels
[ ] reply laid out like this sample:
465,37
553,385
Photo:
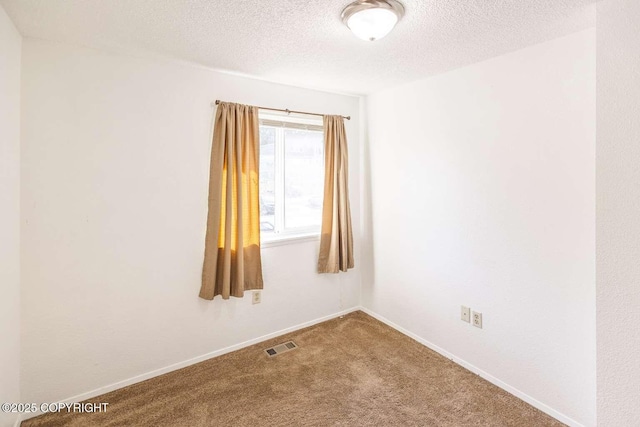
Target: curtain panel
336,240
232,261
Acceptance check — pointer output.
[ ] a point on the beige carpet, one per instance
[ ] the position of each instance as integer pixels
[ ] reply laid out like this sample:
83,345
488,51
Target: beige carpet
353,371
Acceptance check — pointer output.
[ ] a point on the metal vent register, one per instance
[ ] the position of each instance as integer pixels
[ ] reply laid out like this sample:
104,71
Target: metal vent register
281,348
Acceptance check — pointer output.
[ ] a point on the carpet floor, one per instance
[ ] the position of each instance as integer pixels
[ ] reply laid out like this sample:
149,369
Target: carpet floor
351,371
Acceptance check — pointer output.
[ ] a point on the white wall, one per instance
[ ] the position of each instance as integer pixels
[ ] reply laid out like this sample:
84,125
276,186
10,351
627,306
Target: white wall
484,195
10,43
115,164
618,213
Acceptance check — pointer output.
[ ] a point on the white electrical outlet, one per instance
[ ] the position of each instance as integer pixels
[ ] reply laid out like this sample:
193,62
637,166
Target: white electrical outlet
477,319
465,314
256,297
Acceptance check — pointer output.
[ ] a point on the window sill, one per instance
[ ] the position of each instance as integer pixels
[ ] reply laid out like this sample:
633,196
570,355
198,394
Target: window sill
289,240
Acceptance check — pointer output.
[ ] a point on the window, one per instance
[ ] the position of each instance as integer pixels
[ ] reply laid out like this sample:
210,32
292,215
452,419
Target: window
291,176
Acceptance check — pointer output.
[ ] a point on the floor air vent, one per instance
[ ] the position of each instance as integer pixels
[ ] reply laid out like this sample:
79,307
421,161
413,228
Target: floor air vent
281,348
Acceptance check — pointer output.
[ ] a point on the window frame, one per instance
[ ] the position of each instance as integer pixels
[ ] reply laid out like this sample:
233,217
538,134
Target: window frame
282,121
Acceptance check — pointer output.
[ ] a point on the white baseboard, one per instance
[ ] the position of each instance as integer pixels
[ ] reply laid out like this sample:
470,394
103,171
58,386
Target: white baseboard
139,378
189,362
506,387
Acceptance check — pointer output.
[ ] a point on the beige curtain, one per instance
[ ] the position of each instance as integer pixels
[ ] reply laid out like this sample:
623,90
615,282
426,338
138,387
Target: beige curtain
336,241
232,247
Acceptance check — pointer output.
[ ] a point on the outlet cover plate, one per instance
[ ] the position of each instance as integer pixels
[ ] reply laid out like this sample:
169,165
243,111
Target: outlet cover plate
476,316
256,297
465,314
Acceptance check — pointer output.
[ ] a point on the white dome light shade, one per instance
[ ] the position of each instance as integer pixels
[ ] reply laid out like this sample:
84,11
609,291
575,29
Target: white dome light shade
372,19
372,24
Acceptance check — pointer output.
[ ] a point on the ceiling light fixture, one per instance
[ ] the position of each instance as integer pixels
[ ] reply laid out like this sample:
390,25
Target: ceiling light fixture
372,19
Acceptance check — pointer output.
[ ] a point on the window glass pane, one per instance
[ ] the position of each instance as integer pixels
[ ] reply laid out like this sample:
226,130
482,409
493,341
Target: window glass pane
267,179
303,178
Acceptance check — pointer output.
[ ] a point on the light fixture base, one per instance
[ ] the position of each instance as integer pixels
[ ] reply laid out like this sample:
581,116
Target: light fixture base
357,6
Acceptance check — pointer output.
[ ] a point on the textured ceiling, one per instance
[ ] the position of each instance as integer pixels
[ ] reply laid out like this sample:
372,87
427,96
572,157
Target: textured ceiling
303,42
